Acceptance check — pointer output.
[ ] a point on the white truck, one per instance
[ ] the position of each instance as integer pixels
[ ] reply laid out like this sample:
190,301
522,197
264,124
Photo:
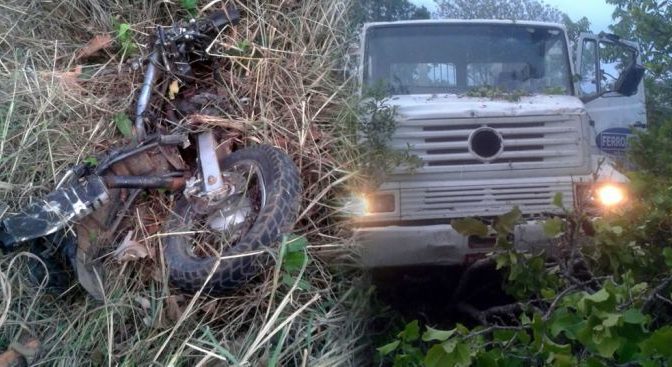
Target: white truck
548,123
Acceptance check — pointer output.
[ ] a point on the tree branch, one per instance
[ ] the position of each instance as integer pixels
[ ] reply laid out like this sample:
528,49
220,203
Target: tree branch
651,298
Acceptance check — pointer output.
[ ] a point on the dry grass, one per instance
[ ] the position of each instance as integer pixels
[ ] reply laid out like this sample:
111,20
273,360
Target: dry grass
56,110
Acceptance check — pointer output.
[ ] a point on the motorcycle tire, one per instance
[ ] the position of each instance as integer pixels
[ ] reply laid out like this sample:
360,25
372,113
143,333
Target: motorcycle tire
190,272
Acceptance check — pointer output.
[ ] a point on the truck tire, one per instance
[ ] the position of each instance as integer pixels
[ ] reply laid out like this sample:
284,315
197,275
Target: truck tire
190,272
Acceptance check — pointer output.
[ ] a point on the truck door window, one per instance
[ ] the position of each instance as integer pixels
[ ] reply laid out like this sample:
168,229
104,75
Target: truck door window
613,59
589,67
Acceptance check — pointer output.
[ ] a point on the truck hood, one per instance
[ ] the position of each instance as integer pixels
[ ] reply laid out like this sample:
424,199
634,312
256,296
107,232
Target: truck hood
451,106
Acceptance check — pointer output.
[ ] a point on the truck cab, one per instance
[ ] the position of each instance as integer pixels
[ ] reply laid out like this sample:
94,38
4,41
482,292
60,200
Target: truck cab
501,115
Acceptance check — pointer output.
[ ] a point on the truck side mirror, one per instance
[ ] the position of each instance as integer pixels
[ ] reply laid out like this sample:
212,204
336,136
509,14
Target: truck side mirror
629,80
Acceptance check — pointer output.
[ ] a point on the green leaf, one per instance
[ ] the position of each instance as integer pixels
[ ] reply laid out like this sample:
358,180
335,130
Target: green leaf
437,357
486,360
91,161
594,362
537,330
190,6
563,360
548,293
388,348
553,227
557,200
634,316
611,320
295,243
411,331
658,344
461,355
607,346
449,345
289,280
554,347
123,31
293,261
502,260
598,297
617,230
470,227
124,124
505,223
667,254
448,353
639,288
565,321
503,336
434,334
461,329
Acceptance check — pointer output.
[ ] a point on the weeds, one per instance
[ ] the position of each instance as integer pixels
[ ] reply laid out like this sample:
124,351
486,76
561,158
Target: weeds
191,6
125,39
372,121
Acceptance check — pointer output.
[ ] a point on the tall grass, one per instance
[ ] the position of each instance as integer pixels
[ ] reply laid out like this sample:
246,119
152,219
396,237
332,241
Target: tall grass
56,110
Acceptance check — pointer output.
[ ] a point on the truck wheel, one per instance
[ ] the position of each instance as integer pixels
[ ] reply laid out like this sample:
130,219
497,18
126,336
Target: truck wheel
223,249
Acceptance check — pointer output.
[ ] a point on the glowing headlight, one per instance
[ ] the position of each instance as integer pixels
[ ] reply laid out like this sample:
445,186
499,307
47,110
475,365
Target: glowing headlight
380,203
610,195
363,205
355,206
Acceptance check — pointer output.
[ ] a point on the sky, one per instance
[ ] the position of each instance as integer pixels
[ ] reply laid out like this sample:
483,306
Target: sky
597,11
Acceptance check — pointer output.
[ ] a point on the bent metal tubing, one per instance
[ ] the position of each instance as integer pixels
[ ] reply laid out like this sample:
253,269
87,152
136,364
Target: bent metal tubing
145,93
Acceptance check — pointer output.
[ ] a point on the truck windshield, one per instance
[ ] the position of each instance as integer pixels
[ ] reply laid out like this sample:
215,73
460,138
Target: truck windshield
457,58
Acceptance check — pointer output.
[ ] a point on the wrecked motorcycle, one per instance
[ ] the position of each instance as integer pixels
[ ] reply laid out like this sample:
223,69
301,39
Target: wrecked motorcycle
230,203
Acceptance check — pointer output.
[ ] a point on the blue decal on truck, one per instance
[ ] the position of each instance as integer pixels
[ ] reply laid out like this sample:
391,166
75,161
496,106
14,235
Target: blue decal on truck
614,140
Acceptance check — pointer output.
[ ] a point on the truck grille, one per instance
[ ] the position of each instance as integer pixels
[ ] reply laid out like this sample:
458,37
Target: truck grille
528,142
490,200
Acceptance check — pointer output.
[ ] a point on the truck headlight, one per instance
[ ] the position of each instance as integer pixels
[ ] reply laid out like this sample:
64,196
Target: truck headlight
600,196
380,203
359,205
610,195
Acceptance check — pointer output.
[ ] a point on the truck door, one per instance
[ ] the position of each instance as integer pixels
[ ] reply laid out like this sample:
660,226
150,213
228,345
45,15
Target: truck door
614,113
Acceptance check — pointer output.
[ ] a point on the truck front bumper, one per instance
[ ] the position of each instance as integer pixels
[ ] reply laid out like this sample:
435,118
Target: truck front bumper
435,244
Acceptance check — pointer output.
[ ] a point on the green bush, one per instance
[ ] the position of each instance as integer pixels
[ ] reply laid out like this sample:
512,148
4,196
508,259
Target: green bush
601,297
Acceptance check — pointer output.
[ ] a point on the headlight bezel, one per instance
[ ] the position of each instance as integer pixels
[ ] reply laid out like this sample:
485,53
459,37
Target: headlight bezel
380,203
587,195
374,205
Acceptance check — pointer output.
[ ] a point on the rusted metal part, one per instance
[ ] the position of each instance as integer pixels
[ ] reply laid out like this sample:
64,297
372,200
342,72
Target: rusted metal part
145,182
126,153
100,228
173,157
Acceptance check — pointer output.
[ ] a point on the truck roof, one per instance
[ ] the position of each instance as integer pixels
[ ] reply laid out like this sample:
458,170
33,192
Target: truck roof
467,21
